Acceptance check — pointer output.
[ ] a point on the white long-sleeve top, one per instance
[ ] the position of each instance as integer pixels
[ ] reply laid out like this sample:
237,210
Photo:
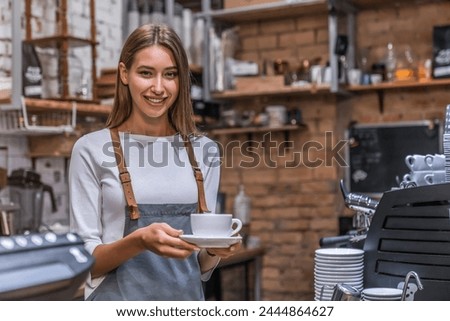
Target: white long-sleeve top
160,173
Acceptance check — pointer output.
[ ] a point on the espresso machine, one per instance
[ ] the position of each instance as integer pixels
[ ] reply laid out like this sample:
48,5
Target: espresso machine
27,191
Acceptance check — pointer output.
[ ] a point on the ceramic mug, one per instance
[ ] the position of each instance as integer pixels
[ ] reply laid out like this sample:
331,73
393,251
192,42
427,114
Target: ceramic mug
354,76
417,177
376,79
417,162
316,74
436,161
425,162
214,225
437,177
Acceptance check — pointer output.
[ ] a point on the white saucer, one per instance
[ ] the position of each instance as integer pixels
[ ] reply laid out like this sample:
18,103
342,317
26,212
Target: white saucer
339,252
217,242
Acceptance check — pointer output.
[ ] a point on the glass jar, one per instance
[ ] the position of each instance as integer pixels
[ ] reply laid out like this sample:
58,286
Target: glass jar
406,66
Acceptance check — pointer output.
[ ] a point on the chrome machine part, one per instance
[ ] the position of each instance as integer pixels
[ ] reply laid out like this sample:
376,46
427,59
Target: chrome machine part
364,206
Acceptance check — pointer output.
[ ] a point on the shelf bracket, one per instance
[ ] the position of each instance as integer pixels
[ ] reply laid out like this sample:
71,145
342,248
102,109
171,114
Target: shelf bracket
380,94
287,142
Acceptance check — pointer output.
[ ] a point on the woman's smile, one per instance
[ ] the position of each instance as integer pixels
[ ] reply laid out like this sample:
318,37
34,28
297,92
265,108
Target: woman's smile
154,100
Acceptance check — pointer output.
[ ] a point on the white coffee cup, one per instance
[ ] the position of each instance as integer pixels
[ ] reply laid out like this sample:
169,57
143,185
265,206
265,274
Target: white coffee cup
436,161
376,78
417,162
425,162
326,79
436,177
316,74
354,76
214,225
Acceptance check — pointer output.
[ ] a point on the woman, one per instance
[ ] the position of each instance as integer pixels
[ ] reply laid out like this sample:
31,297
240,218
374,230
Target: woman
131,222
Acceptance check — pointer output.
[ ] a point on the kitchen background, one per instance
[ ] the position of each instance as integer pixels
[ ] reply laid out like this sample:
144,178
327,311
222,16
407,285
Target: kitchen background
292,207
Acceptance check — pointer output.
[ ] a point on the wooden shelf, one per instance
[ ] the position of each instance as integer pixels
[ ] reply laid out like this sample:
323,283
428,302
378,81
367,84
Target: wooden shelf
377,4
235,94
82,107
285,90
251,130
274,10
400,85
54,41
5,99
53,154
382,87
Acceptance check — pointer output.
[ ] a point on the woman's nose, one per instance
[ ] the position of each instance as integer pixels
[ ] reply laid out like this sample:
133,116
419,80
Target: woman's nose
157,85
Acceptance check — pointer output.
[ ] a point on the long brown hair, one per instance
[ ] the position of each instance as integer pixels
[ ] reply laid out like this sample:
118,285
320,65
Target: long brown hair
181,115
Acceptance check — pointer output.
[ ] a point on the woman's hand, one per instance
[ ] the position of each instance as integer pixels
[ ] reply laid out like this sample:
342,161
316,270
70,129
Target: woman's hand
164,240
224,252
159,238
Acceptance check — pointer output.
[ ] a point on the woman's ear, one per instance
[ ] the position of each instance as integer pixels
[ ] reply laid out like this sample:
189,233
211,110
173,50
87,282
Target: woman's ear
123,73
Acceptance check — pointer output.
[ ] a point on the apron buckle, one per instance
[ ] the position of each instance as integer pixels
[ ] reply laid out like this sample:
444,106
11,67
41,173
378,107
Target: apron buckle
134,212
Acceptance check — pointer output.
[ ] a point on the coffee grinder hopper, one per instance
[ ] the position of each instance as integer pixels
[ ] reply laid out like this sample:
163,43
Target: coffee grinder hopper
27,191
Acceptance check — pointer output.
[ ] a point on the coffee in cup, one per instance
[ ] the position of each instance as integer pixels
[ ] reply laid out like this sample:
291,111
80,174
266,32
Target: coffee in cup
214,225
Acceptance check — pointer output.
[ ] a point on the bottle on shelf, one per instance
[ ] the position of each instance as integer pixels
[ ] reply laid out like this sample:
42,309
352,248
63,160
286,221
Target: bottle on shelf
242,207
390,62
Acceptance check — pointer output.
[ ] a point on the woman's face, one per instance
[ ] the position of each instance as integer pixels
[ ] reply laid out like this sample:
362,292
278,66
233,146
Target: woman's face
153,81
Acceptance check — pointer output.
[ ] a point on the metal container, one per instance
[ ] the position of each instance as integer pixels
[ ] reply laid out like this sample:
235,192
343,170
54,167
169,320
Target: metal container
345,292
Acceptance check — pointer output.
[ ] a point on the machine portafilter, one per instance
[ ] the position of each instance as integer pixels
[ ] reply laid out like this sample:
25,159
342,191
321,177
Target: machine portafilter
358,202
365,207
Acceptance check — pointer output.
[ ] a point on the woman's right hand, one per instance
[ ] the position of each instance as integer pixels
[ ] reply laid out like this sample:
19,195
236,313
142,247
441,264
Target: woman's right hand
159,238
164,240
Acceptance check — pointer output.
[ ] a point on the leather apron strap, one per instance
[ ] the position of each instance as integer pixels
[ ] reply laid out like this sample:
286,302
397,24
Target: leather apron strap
125,177
202,207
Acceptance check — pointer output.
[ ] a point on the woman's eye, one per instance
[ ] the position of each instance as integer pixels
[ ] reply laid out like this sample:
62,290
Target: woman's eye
171,74
145,73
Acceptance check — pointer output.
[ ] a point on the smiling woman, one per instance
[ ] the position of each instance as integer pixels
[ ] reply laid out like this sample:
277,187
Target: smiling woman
153,82
131,212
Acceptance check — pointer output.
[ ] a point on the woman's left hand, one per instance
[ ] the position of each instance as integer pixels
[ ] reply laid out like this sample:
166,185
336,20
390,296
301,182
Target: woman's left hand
224,252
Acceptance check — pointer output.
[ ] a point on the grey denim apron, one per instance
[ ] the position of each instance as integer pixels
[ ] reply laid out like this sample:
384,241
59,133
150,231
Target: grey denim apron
149,276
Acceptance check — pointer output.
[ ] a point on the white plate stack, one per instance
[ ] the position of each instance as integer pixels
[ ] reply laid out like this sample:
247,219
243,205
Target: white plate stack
337,265
381,294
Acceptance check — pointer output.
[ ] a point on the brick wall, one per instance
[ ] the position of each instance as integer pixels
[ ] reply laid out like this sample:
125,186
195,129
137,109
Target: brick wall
294,207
